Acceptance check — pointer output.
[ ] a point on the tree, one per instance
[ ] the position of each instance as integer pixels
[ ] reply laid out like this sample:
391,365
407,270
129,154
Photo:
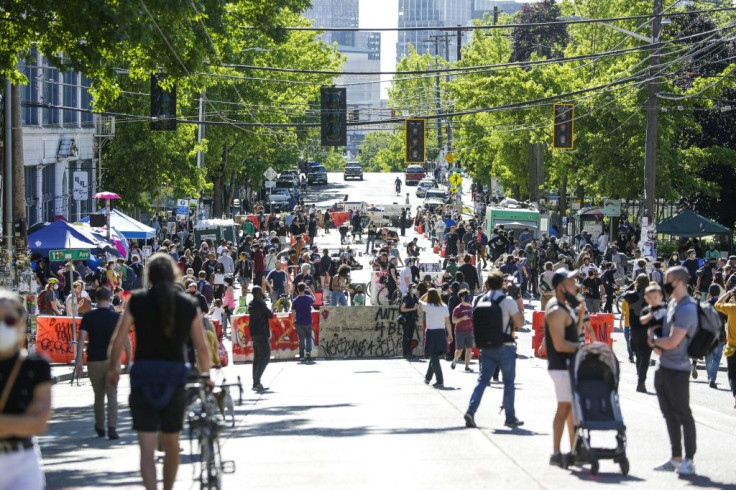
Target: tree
548,41
382,151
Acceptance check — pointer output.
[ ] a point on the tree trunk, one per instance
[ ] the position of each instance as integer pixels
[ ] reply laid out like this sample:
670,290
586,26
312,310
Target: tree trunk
19,179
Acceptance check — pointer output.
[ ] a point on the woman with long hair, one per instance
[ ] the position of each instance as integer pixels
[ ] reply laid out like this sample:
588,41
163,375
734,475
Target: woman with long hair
228,301
25,399
165,319
438,335
260,335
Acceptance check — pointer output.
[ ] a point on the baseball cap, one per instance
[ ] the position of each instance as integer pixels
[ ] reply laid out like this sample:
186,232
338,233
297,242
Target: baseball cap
732,257
561,274
455,285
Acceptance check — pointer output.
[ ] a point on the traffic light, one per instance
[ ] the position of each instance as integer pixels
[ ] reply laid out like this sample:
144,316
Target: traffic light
563,131
163,105
333,116
415,140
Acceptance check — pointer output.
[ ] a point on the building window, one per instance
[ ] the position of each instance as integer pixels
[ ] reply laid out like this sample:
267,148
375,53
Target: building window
31,194
50,95
70,98
86,103
29,91
49,192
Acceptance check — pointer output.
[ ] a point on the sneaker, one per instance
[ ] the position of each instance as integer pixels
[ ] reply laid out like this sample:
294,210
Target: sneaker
301,359
669,465
641,388
470,421
468,369
452,366
438,385
556,460
631,360
112,434
309,355
495,379
694,370
686,468
100,432
713,385
426,381
513,423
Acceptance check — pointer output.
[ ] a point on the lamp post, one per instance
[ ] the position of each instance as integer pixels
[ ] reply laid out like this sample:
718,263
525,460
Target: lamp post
650,145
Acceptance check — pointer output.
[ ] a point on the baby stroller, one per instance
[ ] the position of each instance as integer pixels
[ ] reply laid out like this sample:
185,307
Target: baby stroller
594,374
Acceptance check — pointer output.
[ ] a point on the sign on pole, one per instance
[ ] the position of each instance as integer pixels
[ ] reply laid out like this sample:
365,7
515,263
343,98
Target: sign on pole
270,174
450,158
455,179
81,186
270,184
612,208
71,254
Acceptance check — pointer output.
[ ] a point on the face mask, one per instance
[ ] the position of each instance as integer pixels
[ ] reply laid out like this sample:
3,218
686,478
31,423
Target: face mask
56,286
8,336
572,300
668,288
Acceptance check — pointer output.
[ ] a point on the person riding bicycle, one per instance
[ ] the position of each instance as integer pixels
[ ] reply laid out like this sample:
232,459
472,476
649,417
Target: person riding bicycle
397,183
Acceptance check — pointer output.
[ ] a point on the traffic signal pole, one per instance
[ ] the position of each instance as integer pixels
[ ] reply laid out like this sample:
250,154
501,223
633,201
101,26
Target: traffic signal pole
650,148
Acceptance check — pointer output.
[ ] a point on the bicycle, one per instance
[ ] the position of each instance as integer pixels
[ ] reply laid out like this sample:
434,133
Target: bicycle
283,304
205,425
383,295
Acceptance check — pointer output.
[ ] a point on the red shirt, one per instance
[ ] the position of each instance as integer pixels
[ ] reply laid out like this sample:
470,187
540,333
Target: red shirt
465,326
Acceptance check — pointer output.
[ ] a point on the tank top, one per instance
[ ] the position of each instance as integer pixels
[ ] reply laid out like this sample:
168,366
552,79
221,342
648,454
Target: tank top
558,360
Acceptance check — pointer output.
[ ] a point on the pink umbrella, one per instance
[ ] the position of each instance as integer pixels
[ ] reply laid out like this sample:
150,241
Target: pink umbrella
107,196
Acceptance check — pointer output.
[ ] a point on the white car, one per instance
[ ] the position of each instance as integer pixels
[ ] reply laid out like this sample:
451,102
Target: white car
424,185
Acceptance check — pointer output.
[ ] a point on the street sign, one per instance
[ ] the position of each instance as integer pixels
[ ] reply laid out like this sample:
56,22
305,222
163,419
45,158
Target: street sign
270,173
453,189
270,184
71,254
612,208
450,157
182,208
455,179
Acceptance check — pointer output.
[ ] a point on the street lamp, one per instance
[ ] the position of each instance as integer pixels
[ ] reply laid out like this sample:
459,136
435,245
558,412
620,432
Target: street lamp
650,146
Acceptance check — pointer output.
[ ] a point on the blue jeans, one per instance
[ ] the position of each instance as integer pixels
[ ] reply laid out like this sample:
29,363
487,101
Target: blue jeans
627,337
369,243
505,357
713,360
337,298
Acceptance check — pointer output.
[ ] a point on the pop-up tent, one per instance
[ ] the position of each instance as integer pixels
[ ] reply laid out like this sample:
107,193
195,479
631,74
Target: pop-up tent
61,235
127,226
691,224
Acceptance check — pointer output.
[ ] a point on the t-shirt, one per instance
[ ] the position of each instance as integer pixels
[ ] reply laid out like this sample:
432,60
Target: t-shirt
100,325
405,279
465,326
435,315
302,305
34,371
278,278
683,314
150,340
592,286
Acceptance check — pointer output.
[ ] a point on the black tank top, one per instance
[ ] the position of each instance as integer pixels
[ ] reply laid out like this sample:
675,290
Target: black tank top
558,360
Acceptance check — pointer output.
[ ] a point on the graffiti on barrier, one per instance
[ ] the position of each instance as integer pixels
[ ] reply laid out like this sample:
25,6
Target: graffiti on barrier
284,339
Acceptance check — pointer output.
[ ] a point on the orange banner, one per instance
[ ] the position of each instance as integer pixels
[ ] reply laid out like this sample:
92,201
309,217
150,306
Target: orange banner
284,340
54,338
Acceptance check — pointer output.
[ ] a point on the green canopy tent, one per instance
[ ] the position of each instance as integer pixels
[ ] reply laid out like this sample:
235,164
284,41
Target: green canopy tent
691,224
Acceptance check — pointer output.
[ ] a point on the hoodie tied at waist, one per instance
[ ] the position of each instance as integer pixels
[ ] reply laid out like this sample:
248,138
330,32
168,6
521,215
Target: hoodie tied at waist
158,380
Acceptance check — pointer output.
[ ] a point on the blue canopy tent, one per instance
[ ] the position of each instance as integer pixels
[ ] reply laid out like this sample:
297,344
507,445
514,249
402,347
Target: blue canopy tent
127,226
61,235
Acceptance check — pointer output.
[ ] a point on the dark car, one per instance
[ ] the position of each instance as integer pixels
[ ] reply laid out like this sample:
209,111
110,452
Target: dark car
353,170
317,175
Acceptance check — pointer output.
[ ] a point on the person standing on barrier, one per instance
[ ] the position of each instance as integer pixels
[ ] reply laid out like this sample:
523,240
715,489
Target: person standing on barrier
634,303
301,307
672,379
98,327
165,318
408,311
260,335
25,400
437,336
494,318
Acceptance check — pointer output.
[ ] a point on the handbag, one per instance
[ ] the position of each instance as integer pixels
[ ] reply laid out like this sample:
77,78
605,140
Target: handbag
11,381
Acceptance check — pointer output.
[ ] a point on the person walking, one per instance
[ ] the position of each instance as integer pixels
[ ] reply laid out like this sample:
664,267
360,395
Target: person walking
260,335
338,285
437,336
25,400
408,311
166,318
301,308
462,318
96,329
672,378
503,356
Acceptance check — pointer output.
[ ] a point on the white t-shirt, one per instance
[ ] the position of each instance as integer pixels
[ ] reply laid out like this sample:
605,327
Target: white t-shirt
404,279
435,315
602,242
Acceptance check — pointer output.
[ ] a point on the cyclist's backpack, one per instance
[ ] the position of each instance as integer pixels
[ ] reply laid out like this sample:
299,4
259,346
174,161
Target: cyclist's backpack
707,333
41,302
488,327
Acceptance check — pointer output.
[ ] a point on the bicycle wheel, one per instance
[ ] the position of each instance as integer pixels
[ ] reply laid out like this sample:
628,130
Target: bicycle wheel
210,470
396,298
382,297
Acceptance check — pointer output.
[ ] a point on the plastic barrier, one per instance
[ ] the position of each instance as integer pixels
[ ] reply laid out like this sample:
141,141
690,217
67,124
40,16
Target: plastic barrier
536,342
284,340
339,217
54,338
538,322
602,324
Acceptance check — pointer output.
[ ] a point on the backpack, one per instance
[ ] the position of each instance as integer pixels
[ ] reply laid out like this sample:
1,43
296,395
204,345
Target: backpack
41,301
488,327
707,333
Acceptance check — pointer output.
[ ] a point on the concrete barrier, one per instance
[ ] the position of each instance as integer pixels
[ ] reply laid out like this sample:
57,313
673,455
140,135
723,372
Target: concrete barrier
363,332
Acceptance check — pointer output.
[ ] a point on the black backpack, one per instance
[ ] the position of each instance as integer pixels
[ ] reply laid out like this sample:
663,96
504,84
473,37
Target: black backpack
488,327
708,332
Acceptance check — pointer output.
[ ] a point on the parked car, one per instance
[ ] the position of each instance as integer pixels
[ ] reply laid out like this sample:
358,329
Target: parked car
424,185
353,170
278,202
414,174
317,175
434,198
290,185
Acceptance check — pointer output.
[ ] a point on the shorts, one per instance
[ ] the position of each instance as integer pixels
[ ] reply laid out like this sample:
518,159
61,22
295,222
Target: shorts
169,419
563,388
464,340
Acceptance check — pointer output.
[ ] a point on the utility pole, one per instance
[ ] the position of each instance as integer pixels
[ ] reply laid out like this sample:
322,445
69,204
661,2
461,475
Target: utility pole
7,186
495,15
459,43
650,149
437,100
18,170
447,79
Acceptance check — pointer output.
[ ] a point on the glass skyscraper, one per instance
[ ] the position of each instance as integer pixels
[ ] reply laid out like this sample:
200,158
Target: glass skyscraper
429,13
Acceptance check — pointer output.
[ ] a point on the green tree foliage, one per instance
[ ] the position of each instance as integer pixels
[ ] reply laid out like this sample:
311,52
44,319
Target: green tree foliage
382,151
548,41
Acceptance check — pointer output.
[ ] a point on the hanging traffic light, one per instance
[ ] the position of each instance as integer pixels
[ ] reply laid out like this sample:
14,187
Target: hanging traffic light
415,140
333,116
563,132
163,105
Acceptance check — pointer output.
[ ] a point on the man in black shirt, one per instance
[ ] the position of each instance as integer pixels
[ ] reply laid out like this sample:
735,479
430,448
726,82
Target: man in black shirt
98,326
470,273
592,287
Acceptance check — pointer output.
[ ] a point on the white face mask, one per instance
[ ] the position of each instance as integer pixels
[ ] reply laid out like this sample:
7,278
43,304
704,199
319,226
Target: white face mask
8,337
